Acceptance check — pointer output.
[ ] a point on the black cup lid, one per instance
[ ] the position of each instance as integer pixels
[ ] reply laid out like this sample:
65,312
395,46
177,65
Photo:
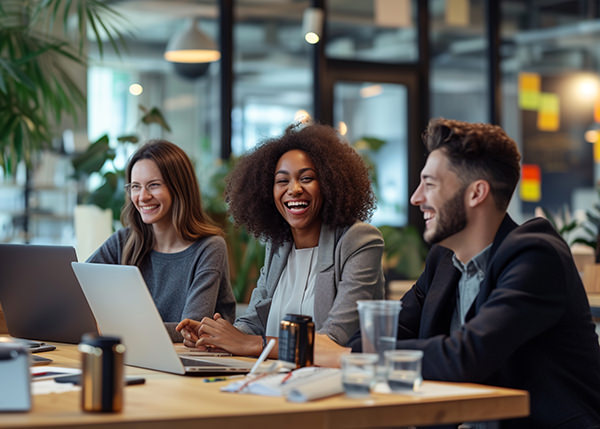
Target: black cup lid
298,318
101,341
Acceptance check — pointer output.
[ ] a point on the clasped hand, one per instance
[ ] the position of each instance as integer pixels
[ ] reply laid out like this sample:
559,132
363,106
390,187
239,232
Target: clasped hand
218,333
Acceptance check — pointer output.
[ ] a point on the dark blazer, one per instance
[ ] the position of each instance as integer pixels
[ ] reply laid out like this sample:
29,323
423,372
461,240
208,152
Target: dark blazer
529,328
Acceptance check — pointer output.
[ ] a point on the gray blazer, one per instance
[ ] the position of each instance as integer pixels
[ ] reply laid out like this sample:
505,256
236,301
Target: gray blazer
349,265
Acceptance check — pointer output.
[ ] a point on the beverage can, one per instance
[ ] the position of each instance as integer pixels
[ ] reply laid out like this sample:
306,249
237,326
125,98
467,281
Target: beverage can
296,339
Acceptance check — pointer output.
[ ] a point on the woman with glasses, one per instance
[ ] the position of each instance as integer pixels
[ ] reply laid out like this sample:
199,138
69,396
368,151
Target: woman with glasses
181,254
307,194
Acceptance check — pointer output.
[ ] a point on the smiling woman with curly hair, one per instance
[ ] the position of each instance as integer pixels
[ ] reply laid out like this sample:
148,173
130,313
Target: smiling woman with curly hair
343,179
306,194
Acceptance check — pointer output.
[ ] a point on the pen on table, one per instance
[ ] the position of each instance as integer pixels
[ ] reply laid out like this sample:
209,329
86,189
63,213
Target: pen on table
214,379
263,356
287,377
222,378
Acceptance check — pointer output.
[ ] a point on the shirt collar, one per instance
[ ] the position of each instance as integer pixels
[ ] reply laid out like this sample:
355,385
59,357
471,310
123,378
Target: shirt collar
477,264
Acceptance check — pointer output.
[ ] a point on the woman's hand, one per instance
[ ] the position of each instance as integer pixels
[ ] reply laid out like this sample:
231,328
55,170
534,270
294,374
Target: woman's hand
189,331
219,333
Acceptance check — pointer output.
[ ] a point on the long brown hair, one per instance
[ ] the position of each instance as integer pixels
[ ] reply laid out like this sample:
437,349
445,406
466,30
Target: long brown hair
189,219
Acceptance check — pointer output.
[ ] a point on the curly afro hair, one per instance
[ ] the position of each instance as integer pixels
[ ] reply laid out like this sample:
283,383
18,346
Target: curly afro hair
343,179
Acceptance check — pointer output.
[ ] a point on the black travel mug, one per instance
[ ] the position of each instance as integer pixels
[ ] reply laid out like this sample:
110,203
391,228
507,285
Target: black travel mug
296,339
102,373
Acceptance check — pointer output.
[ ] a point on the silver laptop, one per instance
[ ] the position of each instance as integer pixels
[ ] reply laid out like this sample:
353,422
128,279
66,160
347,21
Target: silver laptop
123,306
40,296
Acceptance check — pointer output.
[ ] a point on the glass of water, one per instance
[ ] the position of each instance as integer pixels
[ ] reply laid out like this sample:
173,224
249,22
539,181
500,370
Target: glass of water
358,373
403,369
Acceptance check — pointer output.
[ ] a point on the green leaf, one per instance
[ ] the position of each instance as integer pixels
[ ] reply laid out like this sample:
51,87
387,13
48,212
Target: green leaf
369,143
131,138
94,157
154,116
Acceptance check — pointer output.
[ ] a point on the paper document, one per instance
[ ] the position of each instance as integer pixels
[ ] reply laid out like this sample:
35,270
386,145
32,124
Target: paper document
304,384
49,372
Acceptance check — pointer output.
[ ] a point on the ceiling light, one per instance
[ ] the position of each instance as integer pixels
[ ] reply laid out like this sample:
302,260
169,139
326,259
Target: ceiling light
136,89
312,24
371,91
192,46
302,116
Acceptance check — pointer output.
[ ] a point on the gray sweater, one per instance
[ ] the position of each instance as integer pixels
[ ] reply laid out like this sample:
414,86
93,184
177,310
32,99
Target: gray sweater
191,284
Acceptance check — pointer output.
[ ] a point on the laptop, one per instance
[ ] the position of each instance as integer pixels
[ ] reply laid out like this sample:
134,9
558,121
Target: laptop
40,295
123,306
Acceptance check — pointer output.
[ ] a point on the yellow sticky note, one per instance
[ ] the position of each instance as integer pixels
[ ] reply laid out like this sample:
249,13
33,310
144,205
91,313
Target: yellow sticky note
597,110
548,121
530,82
530,191
529,100
597,152
549,103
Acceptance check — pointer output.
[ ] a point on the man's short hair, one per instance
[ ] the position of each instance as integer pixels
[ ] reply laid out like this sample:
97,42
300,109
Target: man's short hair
478,151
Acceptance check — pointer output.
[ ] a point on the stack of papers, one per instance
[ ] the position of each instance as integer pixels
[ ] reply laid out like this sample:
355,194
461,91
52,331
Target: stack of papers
301,385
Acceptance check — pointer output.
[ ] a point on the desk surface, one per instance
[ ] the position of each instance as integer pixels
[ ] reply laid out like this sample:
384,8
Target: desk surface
168,399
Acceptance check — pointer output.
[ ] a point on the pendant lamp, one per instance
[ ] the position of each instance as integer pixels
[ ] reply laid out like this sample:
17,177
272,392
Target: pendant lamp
191,46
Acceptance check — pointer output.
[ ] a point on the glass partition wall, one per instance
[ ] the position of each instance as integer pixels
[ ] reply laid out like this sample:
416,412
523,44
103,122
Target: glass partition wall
548,96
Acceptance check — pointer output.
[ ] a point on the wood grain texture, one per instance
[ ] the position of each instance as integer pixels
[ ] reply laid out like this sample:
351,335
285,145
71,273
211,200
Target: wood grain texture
169,400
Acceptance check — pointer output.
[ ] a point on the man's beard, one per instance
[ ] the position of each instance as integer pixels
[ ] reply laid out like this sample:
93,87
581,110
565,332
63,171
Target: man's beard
451,218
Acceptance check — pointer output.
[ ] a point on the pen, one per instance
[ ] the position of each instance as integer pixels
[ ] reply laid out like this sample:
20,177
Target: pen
287,377
263,356
213,379
222,378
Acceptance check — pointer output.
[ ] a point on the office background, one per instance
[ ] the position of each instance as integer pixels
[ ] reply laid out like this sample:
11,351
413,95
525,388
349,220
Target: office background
381,70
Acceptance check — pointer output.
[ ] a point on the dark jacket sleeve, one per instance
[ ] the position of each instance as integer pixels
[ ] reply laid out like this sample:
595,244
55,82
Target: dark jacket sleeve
523,300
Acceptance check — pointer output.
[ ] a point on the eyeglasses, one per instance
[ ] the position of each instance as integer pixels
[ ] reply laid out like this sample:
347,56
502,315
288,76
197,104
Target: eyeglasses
135,188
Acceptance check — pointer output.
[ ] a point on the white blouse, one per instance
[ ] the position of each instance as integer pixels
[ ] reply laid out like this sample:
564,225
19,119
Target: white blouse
295,291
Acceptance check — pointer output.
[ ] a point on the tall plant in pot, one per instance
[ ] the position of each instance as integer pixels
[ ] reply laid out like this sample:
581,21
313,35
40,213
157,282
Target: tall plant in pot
38,54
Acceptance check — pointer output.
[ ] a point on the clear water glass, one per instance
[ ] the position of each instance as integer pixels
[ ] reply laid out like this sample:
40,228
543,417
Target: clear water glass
403,370
379,326
358,373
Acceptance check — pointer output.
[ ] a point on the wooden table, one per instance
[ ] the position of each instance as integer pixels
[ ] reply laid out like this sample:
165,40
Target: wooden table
167,400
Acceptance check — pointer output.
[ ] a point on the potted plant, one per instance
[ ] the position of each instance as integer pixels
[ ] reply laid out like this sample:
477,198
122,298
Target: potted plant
404,250
37,56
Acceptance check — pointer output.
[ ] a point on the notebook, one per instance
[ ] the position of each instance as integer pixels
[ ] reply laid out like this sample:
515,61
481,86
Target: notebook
40,295
123,306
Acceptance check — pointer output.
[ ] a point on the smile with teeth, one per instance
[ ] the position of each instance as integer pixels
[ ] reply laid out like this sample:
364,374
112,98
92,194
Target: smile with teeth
148,208
428,216
296,206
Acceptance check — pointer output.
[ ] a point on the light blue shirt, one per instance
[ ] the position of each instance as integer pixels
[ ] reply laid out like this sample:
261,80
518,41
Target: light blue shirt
472,274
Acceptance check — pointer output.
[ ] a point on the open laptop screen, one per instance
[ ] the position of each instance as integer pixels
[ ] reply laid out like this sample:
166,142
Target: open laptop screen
40,295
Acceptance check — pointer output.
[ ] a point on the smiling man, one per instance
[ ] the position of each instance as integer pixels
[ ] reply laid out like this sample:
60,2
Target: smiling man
498,303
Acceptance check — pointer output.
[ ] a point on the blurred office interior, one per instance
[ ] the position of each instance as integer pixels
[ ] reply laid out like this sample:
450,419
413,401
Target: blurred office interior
381,69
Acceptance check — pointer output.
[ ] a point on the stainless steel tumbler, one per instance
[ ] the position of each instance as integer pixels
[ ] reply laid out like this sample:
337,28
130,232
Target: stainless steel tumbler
102,373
